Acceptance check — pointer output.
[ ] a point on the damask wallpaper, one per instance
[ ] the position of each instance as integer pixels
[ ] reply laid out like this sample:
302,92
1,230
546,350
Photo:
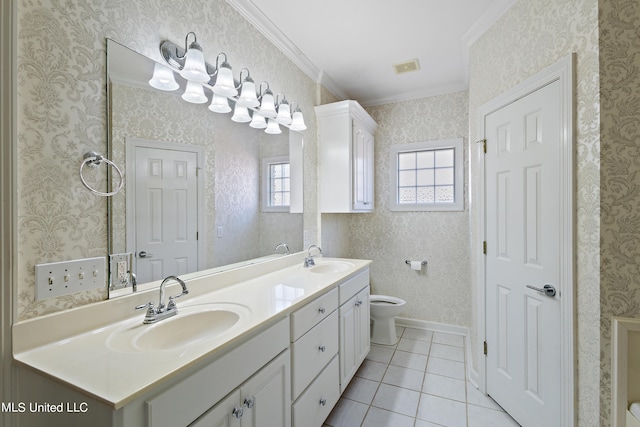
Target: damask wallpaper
61,104
529,37
619,33
440,292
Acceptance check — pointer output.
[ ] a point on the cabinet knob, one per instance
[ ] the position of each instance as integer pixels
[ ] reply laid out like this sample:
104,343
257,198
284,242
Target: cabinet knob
237,412
321,310
358,303
249,402
322,348
323,402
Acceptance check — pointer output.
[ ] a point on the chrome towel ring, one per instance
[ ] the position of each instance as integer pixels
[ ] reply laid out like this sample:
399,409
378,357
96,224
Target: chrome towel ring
94,159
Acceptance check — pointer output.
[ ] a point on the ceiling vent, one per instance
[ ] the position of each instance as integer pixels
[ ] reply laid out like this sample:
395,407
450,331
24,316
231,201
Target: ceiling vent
407,66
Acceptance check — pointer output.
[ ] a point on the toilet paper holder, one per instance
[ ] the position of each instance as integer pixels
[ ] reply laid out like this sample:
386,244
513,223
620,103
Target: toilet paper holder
406,261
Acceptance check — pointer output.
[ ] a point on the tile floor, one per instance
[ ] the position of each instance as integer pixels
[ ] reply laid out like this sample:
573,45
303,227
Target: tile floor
419,382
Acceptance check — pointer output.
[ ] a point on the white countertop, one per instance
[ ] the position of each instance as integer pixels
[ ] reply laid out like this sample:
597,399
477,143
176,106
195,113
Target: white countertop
89,360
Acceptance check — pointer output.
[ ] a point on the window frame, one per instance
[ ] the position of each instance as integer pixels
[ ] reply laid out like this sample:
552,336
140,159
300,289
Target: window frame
266,181
458,175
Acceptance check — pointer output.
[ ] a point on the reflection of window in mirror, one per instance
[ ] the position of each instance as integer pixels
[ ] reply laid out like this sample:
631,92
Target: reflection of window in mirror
276,184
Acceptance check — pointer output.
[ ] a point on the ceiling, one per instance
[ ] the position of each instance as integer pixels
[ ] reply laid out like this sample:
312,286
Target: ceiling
350,46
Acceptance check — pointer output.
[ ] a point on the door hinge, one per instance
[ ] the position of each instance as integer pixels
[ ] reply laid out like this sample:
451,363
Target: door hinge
484,144
484,247
485,348
197,235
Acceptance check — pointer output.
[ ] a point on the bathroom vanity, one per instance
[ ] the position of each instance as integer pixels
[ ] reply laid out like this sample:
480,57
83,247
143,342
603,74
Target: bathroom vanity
268,344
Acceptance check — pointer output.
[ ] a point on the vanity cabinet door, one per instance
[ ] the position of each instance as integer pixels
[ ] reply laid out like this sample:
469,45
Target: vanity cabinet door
227,413
266,397
354,335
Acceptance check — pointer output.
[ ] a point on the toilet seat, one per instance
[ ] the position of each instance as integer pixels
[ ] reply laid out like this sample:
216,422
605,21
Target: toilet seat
386,300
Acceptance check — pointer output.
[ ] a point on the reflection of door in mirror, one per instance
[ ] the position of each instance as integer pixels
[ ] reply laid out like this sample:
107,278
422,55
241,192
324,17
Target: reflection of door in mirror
166,208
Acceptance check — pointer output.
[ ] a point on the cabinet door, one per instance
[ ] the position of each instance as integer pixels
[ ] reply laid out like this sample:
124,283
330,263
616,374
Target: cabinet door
354,335
226,413
363,326
362,168
348,342
266,397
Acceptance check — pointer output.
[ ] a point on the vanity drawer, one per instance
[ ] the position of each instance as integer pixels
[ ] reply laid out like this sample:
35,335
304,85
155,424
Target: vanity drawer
354,285
308,316
315,404
311,353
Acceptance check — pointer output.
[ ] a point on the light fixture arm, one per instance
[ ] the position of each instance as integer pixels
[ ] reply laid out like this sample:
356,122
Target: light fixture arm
284,98
248,76
195,45
260,92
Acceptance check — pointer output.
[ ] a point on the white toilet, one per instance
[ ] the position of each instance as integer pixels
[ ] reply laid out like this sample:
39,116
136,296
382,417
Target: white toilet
384,310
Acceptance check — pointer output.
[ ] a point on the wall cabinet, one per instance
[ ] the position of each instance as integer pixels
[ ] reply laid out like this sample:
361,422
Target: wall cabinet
346,157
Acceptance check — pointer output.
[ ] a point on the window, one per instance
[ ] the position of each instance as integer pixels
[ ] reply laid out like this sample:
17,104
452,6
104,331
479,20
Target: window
276,184
427,176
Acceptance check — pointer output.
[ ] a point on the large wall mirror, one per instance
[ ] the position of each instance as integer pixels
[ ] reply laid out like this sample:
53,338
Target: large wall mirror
196,194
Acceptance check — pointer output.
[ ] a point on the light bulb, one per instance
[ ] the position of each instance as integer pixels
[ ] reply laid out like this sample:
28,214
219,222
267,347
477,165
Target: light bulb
273,127
163,78
225,85
298,121
194,93
248,96
194,66
258,121
267,106
219,104
240,114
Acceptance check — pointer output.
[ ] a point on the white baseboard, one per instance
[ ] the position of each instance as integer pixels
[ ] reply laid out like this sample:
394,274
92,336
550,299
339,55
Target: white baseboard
432,326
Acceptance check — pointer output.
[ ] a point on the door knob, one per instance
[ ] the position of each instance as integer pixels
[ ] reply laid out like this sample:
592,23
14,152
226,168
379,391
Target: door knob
144,254
548,290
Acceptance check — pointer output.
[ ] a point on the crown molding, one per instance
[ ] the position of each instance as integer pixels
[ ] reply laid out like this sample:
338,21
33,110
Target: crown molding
267,28
481,26
409,96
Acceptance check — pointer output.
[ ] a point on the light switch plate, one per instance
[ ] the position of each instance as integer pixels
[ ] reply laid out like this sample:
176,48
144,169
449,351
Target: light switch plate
67,277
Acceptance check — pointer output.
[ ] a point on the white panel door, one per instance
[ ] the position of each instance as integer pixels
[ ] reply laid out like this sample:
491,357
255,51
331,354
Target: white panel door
523,254
166,207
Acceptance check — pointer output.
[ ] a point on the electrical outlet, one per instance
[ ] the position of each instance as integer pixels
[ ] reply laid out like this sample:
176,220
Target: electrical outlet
120,270
67,277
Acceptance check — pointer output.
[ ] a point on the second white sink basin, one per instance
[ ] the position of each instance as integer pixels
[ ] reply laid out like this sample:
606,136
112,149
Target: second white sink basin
330,267
192,324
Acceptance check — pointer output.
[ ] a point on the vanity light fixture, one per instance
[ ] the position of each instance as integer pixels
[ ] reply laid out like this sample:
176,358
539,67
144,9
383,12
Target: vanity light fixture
268,112
248,97
219,104
298,120
194,93
284,112
267,104
163,78
240,114
258,121
224,78
273,127
194,66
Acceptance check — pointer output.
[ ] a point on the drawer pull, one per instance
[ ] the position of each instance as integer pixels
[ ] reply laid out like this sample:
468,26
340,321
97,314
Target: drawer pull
249,402
358,303
323,402
322,348
321,310
237,412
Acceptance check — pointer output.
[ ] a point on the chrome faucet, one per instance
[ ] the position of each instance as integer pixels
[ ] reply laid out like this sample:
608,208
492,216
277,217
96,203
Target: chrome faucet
162,312
309,262
282,245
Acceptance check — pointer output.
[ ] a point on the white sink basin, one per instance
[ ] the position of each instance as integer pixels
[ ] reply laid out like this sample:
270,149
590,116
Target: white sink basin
323,267
193,324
